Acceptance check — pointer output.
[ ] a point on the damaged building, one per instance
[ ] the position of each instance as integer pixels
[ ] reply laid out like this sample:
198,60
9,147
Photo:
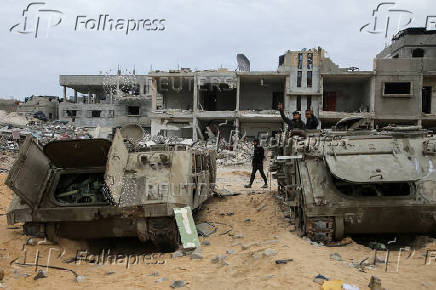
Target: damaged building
201,104
48,105
105,101
198,104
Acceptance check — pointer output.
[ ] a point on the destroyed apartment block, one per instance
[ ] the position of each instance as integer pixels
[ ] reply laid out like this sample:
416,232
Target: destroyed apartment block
198,105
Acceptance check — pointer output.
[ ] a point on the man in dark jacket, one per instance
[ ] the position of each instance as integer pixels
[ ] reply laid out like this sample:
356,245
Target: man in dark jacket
295,123
257,164
311,120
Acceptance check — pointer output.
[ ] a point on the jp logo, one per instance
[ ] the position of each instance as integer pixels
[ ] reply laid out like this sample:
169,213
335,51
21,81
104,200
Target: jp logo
37,18
384,17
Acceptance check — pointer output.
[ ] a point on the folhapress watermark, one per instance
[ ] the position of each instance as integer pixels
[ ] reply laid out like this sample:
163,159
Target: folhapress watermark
39,20
388,19
104,22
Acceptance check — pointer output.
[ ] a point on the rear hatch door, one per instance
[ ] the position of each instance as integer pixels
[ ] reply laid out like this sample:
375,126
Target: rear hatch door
30,173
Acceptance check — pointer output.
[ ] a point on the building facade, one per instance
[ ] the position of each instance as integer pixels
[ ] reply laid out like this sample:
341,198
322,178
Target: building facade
400,89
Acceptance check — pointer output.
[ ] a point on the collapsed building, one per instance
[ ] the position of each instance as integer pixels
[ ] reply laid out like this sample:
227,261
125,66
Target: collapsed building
198,104
48,105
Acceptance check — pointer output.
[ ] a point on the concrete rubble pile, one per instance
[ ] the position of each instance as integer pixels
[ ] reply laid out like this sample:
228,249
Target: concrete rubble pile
225,157
242,155
43,132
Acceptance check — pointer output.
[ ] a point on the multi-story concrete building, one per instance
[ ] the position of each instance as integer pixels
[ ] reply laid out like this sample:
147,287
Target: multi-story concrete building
401,88
106,101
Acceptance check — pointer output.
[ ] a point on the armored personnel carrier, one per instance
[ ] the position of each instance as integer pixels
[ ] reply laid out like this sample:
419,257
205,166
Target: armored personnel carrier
358,181
95,188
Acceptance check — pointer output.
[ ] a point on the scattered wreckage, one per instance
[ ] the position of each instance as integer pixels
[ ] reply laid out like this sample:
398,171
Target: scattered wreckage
95,188
358,181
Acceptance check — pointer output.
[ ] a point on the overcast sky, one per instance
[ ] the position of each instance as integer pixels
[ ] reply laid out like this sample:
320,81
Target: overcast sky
200,34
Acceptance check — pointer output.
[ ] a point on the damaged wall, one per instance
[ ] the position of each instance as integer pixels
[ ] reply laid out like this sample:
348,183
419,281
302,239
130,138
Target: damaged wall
351,96
257,95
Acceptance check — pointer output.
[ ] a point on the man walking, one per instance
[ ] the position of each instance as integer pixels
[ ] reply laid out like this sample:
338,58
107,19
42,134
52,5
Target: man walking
257,164
295,123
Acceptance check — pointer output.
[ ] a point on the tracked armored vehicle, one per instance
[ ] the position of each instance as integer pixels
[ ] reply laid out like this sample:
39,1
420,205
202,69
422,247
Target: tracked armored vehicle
353,182
85,189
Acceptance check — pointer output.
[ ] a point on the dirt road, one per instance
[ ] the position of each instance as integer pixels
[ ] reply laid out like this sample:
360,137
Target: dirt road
252,234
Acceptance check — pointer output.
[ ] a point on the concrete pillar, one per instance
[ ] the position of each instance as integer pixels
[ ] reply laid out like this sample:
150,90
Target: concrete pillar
154,94
65,93
111,97
75,96
141,88
194,128
89,98
238,94
195,95
97,99
286,96
155,126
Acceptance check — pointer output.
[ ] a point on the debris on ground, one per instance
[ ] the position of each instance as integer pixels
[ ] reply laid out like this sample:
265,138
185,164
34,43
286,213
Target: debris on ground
377,246
336,257
342,243
196,254
269,252
163,279
237,236
332,285
41,274
349,287
218,259
261,207
80,279
205,229
223,192
320,279
205,243
178,284
283,261
375,283
187,228
230,251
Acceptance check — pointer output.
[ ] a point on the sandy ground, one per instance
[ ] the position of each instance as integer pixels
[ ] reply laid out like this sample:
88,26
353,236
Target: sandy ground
244,268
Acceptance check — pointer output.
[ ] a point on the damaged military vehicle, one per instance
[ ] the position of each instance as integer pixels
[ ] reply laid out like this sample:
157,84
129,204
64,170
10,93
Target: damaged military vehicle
96,188
358,181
